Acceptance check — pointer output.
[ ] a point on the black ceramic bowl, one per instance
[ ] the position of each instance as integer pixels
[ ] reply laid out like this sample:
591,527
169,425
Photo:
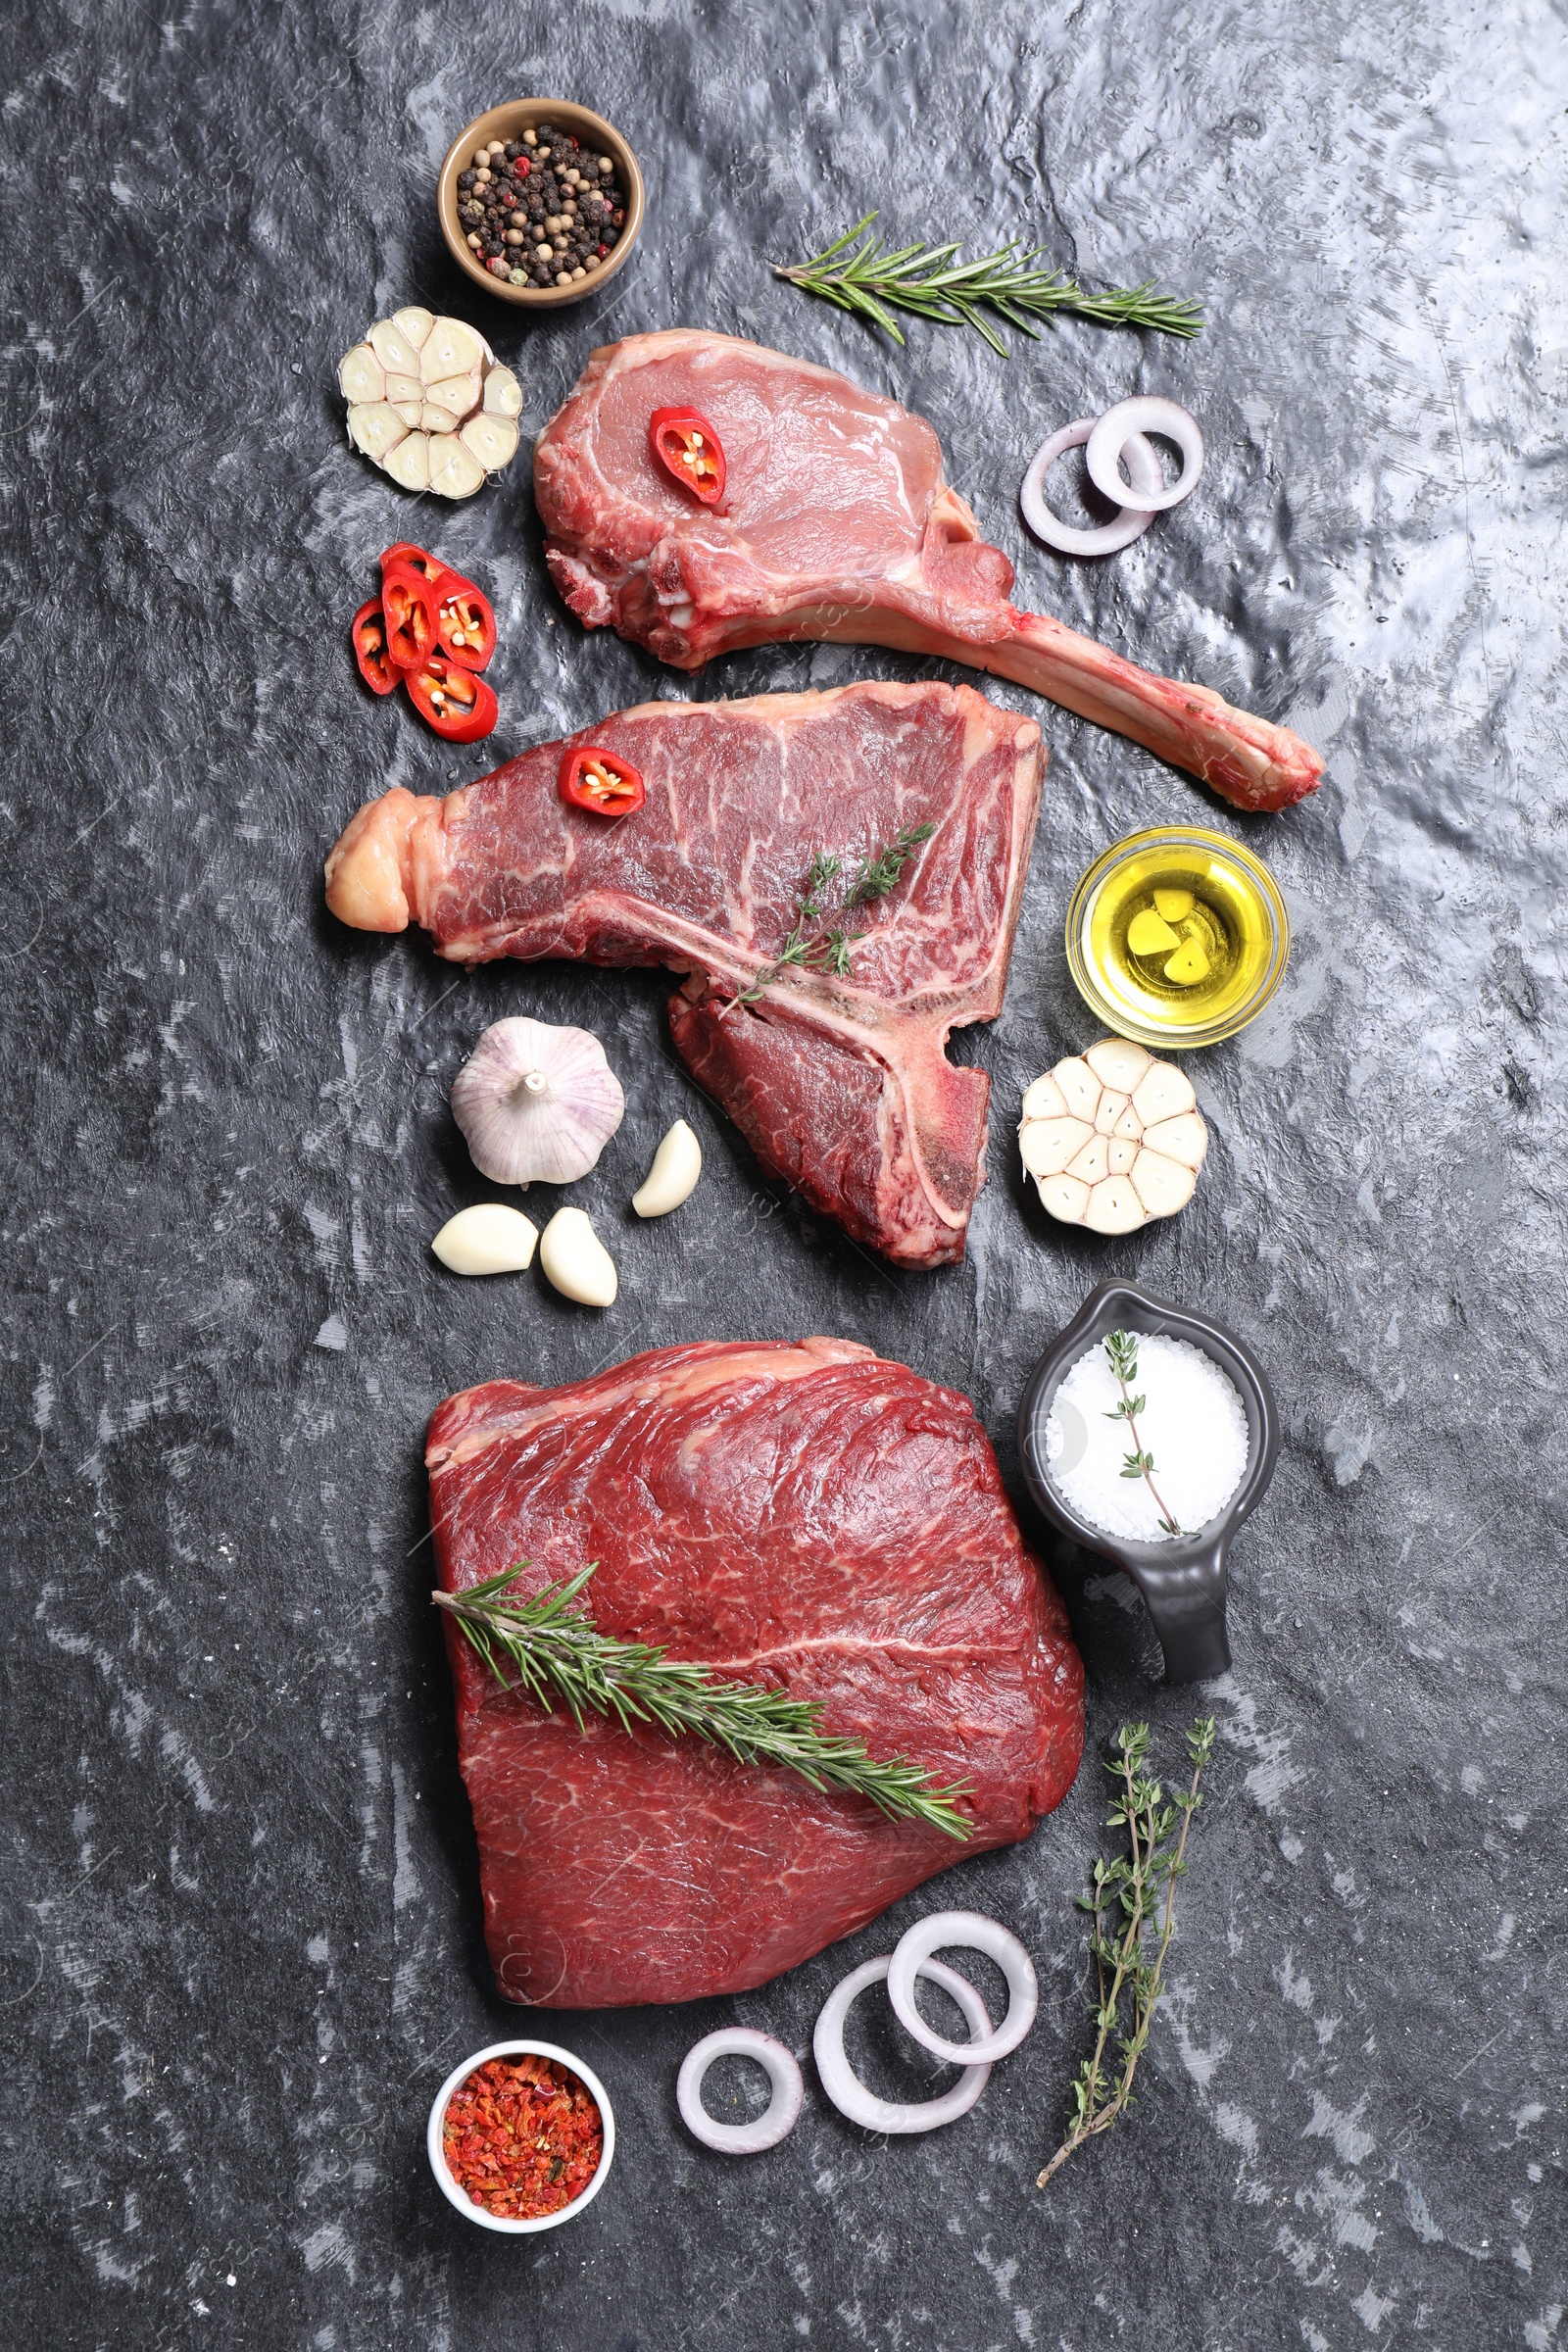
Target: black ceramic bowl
1183,1580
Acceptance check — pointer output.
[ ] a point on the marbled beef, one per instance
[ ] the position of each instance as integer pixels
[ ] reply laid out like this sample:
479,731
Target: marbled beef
802,1515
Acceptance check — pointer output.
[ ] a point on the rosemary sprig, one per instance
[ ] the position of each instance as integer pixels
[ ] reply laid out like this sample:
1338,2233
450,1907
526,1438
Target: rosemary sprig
1133,1888
934,283
557,1651
1121,1347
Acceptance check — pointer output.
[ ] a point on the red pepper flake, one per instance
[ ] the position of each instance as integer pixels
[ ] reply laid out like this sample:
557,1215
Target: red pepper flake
522,2137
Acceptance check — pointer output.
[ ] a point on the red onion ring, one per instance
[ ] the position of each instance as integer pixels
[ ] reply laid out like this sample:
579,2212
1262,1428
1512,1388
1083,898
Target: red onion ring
1108,441
1129,524
778,2118
843,2084
974,1933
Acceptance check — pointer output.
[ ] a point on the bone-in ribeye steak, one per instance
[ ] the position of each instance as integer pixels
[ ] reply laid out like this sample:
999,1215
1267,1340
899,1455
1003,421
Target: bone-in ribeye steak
805,1516
840,1086
836,523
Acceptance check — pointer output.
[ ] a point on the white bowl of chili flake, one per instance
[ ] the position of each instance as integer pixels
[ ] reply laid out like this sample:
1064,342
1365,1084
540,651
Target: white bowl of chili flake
522,2135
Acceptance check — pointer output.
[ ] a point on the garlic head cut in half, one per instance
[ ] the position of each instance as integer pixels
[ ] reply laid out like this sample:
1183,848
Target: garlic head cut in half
1112,1138
429,404
536,1104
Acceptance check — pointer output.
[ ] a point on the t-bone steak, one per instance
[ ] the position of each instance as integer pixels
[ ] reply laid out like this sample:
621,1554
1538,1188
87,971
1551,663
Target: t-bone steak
840,1084
836,522
801,1515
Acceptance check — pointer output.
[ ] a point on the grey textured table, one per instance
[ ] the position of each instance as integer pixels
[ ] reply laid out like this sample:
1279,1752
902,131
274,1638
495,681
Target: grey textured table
239,1936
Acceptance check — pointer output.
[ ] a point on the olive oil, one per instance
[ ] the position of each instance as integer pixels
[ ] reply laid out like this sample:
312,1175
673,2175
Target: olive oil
1177,936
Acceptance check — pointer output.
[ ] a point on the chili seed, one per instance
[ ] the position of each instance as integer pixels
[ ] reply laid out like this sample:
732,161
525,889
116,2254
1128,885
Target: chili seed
530,139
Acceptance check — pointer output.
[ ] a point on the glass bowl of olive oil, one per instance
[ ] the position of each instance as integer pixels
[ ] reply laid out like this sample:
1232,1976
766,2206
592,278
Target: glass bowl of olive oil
1177,936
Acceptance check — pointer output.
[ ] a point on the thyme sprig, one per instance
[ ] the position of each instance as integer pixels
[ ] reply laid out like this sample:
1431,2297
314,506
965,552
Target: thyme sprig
880,874
808,946
557,1651
1133,1898
1121,1347
934,283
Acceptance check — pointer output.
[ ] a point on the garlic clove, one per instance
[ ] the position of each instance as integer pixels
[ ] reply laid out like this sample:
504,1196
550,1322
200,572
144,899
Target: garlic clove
414,326
456,394
1118,1064
536,1103
455,471
1114,1208
1044,1100
672,1178
451,349
400,388
1079,1085
1161,1184
1184,1139
432,419
575,1260
1174,903
502,394
1129,1124
375,428
409,462
1148,934
1188,965
1048,1144
361,375
493,440
1109,1110
1066,1198
487,1239
1120,1153
1162,1094
393,349
1093,1162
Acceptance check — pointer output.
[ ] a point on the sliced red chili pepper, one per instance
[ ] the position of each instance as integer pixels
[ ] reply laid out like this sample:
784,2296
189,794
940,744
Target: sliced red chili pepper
465,622
429,567
685,446
369,648
459,705
409,603
601,782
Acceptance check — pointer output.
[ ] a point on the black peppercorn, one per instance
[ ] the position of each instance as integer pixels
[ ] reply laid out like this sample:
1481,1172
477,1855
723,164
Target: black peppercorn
465,179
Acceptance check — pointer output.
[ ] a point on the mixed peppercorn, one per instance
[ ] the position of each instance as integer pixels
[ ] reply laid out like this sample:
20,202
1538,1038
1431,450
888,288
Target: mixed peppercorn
522,2137
542,209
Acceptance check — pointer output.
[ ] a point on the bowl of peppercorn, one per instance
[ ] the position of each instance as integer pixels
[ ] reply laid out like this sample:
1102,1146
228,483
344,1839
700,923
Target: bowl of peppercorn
540,200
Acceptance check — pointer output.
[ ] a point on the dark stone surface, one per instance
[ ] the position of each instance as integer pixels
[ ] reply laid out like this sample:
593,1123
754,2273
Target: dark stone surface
239,1937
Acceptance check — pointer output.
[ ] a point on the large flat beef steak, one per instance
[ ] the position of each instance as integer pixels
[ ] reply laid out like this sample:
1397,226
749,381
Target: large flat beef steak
839,1082
806,1516
836,522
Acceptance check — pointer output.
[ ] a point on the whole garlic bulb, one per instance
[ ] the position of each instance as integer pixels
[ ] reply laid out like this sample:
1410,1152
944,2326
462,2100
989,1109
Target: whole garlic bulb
1112,1138
536,1104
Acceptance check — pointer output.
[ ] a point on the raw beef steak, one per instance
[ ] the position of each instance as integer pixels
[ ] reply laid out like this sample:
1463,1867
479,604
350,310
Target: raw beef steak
835,523
805,1516
840,1085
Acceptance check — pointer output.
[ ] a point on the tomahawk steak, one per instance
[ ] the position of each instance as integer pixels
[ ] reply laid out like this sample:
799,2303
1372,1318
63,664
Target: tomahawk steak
836,523
805,1516
839,1083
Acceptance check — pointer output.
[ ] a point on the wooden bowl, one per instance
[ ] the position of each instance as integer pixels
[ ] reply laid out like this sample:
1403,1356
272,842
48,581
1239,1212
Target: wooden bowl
508,122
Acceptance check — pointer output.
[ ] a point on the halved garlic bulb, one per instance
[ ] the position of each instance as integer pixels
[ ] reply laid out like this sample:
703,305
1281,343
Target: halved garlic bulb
429,404
1112,1138
536,1104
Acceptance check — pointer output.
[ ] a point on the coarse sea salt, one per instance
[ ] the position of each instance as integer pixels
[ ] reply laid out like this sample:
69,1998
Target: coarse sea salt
1193,1422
